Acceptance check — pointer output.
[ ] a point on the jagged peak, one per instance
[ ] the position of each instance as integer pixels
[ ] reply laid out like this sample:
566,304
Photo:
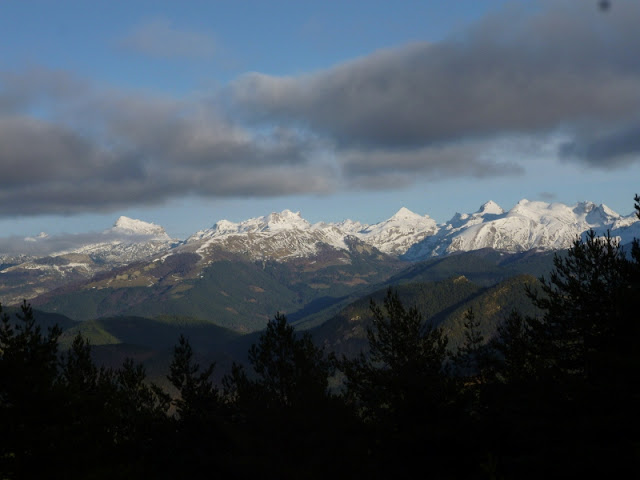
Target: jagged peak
608,211
285,219
491,207
590,207
584,207
224,226
601,215
404,212
284,216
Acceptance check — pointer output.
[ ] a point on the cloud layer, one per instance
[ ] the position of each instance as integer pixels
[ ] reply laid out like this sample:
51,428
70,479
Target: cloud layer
564,66
44,245
92,149
386,120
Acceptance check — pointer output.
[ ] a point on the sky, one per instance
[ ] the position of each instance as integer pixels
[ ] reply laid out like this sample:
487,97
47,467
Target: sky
185,113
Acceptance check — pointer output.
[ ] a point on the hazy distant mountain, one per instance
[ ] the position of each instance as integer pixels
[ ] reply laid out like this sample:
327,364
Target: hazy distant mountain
52,261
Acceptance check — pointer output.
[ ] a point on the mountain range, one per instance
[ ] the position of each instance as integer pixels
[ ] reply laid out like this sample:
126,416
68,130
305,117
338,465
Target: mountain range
527,226
279,261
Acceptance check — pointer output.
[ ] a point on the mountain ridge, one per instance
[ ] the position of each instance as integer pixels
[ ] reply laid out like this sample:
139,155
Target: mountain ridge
287,237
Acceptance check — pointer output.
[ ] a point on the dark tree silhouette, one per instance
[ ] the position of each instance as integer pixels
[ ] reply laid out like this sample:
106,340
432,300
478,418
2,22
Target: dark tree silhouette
520,353
290,371
584,303
404,369
282,405
28,369
472,358
198,396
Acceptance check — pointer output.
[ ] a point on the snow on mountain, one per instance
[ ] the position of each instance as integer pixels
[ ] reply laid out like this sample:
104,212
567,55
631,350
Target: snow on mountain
35,265
275,236
625,229
439,242
52,261
285,220
129,240
351,227
397,234
491,208
287,234
130,226
528,225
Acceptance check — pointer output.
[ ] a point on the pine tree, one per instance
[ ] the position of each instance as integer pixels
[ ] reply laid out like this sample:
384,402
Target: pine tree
472,358
29,405
290,371
520,346
403,373
198,396
282,403
584,304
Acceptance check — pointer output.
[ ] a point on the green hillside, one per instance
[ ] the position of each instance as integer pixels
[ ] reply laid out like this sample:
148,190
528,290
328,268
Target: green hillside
151,341
442,303
235,294
43,318
483,267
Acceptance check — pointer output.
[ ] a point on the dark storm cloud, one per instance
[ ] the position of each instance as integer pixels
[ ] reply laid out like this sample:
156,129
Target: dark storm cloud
527,70
68,147
373,169
613,148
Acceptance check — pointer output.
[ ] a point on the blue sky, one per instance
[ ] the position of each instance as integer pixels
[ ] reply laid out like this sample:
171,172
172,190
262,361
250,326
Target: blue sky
184,113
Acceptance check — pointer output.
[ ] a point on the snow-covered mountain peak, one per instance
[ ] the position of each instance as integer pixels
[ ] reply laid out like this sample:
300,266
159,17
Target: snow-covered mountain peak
584,207
131,226
225,226
286,220
351,227
406,214
491,208
396,234
403,219
536,210
601,215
